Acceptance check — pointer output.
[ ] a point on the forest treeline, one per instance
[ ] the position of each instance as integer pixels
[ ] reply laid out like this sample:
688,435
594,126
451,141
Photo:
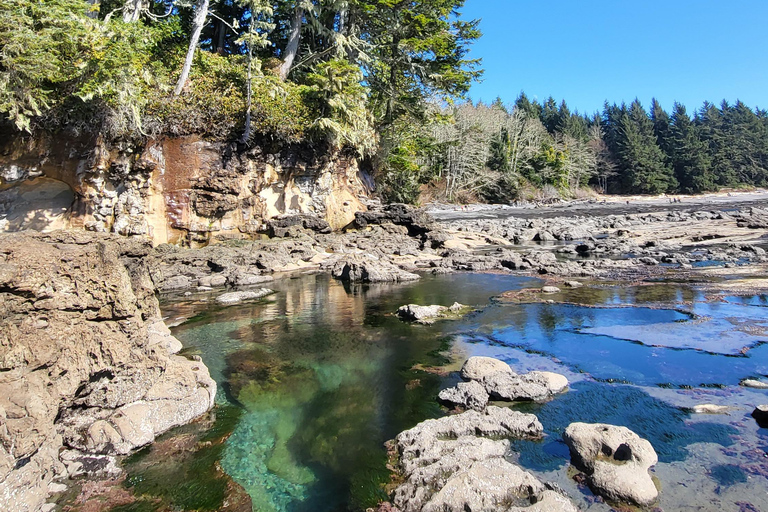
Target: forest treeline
526,150
384,79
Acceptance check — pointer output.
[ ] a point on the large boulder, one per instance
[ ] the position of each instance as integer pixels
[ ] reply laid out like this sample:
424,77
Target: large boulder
615,460
457,464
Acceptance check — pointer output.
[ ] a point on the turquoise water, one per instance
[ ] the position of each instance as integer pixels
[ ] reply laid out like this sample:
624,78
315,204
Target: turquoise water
320,375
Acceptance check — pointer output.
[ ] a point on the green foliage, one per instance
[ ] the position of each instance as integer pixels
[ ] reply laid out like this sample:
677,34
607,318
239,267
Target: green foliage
401,178
43,45
344,117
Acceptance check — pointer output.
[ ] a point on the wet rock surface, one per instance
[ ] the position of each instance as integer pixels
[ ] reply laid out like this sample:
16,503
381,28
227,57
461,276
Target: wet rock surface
615,460
86,361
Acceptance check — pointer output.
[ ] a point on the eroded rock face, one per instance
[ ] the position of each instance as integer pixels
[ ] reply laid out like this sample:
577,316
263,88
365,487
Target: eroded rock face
186,190
85,361
456,464
615,459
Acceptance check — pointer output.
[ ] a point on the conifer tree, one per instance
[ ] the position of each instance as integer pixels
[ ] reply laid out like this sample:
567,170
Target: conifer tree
691,162
642,162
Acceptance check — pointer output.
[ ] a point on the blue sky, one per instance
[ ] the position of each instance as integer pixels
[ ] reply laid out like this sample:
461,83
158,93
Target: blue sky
587,51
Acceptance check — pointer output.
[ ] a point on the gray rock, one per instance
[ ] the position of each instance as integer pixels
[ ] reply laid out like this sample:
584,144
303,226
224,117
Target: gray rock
761,415
573,284
530,386
235,297
470,395
550,289
615,460
365,269
427,314
477,367
449,464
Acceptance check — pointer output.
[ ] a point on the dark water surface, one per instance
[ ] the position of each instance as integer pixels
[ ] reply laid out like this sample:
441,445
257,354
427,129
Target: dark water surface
317,377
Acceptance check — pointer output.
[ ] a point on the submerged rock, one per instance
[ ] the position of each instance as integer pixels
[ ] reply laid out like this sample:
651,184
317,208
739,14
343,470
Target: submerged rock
711,409
235,297
615,460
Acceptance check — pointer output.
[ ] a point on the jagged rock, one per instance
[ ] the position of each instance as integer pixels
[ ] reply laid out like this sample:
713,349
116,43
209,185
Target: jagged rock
470,395
85,362
529,386
416,221
761,415
361,269
240,296
615,459
427,314
477,367
280,226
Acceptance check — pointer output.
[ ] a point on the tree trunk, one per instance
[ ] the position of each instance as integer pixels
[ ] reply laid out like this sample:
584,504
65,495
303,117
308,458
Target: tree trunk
201,13
247,131
221,33
132,10
292,48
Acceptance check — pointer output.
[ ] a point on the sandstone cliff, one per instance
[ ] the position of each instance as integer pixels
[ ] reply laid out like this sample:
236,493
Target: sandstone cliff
182,190
87,367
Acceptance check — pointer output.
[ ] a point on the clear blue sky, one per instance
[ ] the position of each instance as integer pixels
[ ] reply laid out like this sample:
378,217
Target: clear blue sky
588,51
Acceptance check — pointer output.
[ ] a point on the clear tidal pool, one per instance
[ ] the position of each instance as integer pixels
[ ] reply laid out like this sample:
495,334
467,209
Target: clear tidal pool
314,379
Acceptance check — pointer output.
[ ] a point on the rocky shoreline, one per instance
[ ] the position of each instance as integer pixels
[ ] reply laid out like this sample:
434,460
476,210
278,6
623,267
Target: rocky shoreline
88,369
70,408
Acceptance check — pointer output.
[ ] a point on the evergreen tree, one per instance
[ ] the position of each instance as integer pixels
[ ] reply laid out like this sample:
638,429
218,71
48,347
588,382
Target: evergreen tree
498,159
642,162
691,162
550,115
528,107
661,127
